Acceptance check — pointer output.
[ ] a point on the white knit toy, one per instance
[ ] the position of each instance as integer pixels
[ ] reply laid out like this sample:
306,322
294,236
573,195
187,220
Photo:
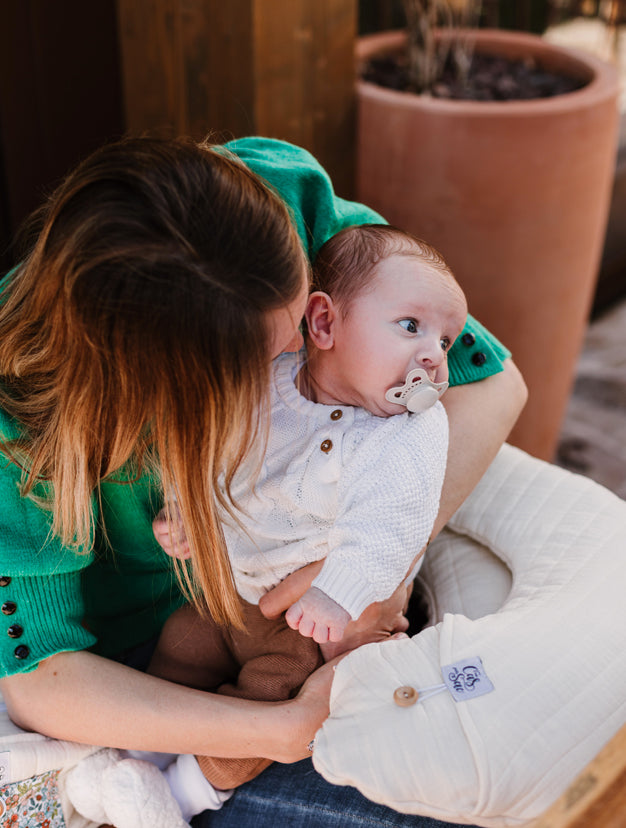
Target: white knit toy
125,793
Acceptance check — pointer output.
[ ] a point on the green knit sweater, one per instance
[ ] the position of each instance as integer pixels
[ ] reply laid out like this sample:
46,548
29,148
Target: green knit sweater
118,594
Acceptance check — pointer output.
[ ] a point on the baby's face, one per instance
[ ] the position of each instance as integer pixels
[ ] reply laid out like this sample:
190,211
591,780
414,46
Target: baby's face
407,318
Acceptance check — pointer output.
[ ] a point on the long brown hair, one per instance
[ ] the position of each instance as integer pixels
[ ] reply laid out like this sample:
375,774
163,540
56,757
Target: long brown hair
135,332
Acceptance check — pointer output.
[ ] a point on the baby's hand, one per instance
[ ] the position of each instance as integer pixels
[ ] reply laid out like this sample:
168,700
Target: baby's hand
317,616
171,536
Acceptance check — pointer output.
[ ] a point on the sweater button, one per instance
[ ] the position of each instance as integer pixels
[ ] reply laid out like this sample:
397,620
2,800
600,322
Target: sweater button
479,358
5,580
15,631
468,339
8,608
405,696
337,414
326,446
21,651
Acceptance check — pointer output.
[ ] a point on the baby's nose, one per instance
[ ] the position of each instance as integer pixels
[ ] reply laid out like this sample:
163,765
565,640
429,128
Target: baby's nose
430,354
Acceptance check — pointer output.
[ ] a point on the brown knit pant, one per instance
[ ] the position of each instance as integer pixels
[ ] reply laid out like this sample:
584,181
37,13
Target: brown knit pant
268,661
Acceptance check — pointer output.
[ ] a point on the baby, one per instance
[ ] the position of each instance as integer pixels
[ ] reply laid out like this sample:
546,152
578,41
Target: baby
352,472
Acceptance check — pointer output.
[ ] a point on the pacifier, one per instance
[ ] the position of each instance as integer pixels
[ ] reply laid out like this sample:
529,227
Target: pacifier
418,392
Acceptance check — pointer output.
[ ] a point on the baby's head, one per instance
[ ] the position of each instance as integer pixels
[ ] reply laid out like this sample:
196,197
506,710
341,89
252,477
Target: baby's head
384,303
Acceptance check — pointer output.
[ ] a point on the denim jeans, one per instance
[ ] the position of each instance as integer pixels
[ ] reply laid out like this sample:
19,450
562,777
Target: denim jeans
296,796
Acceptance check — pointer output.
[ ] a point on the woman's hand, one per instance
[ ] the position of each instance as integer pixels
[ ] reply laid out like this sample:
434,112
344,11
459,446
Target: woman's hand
377,623
301,717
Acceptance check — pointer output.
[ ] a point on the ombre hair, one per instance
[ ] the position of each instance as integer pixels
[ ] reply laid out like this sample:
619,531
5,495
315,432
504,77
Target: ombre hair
134,334
346,264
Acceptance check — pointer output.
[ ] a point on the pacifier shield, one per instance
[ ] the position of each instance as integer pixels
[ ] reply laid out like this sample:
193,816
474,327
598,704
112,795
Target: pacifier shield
418,392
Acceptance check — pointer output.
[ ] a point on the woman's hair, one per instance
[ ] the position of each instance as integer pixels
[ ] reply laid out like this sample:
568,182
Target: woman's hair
346,264
135,333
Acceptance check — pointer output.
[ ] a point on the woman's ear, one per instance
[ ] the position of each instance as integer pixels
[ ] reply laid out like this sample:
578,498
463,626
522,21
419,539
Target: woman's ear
320,315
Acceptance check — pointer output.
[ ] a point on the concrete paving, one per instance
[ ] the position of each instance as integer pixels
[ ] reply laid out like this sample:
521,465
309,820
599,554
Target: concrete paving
593,437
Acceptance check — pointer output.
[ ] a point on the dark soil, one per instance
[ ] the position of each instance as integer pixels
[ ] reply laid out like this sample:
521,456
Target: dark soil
489,79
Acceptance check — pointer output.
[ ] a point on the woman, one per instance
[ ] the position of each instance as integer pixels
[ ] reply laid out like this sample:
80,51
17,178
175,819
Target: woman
135,344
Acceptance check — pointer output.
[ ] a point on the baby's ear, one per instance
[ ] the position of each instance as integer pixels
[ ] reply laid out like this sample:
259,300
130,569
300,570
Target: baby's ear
320,315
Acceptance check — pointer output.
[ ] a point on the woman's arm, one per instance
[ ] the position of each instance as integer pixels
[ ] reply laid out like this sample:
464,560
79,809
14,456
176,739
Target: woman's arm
85,698
480,416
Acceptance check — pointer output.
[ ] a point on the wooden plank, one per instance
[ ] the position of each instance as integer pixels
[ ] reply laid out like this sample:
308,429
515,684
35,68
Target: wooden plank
22,144
305,75
281,68
597,797
187,66
147,32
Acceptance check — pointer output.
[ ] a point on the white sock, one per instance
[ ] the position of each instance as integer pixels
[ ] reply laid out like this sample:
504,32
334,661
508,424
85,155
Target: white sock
190,788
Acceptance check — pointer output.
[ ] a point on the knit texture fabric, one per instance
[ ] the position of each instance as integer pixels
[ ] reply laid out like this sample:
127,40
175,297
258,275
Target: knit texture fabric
341,484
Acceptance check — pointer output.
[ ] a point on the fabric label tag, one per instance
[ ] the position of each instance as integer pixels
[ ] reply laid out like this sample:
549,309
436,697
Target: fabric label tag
466,679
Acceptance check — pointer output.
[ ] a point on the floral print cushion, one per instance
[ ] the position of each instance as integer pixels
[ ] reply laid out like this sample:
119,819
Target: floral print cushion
32,803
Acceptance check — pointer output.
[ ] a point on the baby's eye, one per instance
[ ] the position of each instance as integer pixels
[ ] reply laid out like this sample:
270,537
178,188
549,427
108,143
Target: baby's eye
445,343
409,325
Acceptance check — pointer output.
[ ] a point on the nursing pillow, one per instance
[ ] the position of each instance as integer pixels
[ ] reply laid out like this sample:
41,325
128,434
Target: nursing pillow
486,721
461,576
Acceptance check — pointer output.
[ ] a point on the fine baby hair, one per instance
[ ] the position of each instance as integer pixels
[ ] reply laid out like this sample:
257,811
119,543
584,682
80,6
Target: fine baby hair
346,263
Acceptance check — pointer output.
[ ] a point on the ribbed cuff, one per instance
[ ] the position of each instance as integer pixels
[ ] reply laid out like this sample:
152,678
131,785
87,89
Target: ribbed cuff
475,355
40,616
343,586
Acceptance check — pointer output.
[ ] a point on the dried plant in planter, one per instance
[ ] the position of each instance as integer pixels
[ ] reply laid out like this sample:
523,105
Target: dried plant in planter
515,194
427,56
449,67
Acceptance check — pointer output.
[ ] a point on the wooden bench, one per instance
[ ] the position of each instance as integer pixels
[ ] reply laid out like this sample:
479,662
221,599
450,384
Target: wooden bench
597,797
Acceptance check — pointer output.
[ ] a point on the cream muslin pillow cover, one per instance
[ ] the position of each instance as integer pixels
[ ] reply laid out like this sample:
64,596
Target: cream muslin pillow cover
555,653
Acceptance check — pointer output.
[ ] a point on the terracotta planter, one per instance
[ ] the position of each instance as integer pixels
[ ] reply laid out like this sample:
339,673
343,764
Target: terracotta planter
516,197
